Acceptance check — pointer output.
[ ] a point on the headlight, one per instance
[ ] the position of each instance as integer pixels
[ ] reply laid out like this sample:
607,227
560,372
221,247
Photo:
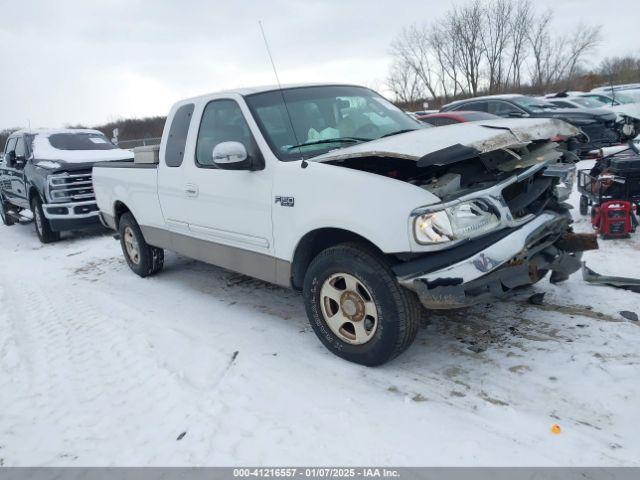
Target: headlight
463,221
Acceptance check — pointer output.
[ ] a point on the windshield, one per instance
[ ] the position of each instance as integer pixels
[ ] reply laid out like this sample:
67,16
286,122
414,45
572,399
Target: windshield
80,141
533,104
628,97
324,118
588,102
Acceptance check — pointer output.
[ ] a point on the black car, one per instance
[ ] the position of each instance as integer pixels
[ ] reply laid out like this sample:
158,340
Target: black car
600,126
46,175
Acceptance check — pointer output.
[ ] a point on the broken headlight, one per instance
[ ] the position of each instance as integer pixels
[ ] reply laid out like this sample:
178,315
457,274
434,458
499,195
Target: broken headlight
459,222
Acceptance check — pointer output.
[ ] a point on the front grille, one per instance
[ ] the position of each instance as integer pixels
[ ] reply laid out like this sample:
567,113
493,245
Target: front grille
77,187
528,196
601,134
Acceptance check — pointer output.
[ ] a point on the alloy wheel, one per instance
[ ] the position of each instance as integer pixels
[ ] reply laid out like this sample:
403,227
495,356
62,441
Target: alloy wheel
348,308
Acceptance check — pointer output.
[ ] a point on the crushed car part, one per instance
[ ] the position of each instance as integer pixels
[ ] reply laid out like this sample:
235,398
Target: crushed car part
578,242
625,283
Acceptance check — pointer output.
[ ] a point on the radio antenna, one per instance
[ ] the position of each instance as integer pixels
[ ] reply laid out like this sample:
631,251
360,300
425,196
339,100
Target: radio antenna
284,101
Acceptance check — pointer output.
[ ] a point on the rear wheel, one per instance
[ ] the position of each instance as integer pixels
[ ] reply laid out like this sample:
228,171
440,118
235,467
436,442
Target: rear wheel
141,257
4,207
356,306
43,227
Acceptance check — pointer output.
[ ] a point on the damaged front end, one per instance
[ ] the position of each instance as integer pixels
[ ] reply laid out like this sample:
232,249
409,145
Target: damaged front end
493,265
500,223
489,241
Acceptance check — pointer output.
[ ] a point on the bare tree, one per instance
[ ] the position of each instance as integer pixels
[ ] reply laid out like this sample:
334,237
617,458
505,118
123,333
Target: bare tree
521,24
584,39
621,69
412,48
405,83
488,45
556,59
466,29
446,54
496,38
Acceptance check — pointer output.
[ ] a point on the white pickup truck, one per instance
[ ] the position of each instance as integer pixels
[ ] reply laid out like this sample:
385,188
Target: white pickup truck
335,192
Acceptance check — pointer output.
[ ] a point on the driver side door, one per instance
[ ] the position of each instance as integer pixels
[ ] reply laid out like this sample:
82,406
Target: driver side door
230,209
13,182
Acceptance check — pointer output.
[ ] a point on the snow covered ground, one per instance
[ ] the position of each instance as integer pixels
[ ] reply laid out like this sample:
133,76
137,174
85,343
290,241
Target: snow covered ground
198,366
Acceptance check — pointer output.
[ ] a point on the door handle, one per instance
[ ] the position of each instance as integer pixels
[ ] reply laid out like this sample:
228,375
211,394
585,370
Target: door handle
191,190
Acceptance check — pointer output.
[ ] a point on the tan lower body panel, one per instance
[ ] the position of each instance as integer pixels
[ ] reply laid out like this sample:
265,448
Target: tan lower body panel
253,264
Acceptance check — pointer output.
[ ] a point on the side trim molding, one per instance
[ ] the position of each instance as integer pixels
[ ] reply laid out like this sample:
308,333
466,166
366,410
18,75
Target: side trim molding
253,264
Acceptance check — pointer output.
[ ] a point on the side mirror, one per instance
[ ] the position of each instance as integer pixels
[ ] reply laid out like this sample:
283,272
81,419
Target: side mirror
515,114
231,156
19,162
10,158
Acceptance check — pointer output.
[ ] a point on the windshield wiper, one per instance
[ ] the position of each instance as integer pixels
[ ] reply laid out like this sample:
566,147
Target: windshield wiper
398,132
331,140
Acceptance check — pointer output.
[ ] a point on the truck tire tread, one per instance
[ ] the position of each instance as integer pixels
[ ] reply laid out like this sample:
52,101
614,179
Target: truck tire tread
151,258
405,303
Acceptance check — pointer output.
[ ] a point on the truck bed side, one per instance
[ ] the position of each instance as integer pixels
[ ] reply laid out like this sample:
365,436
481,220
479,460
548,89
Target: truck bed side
129,185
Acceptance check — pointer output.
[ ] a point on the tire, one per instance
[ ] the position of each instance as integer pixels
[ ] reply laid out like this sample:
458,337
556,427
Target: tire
584,205
375,319
42,225
6,219
141,257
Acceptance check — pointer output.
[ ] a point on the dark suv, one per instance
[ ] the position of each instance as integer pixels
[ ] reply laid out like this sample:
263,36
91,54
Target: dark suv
46,175
600,126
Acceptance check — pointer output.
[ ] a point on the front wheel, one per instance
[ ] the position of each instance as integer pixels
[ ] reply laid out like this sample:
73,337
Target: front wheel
43,227
141,257
357,308
4,213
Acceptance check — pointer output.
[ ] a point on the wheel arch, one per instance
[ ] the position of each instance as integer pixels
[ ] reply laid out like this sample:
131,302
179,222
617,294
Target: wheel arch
314,242
119,209
34,192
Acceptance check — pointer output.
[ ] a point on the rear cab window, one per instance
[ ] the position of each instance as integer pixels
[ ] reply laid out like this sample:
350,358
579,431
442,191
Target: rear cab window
177,139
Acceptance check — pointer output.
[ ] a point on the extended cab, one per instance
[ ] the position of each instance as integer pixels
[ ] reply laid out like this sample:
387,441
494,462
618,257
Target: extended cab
46,175
332,190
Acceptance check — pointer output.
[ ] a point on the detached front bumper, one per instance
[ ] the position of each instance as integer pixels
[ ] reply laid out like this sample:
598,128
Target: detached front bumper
492,266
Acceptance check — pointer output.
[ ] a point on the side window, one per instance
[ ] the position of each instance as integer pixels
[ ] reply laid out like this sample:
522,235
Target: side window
11,145
21,150
222,121
178,135
442,121
474,106
562,104
502,108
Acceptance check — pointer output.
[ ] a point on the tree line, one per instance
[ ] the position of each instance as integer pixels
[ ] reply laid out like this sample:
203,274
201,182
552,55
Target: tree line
497,46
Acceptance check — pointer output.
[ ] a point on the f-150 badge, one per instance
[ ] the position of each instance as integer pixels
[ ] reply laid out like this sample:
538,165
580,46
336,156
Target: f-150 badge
286,201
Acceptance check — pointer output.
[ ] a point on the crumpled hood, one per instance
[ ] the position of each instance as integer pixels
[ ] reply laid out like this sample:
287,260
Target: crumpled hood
482,136
628,109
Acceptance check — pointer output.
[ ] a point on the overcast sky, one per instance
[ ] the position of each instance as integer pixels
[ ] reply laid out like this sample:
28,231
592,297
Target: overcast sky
68,62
